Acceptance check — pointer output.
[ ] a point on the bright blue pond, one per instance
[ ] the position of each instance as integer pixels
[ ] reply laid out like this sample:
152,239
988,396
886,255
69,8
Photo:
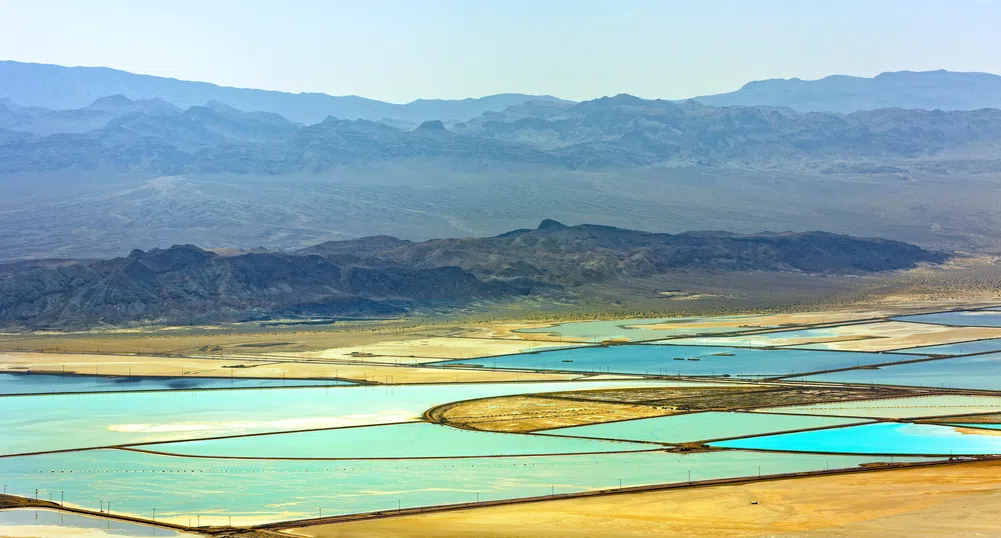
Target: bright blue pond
393,441
700,426
962,348
18,383
258,491
972,318
660,359
978,372
881,438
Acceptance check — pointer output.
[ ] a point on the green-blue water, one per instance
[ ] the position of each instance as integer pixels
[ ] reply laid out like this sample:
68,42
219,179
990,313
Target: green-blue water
700,427
978,372
18,383
913,407
674,360
45,423
881,438
257,491
35,522
972,318
392,441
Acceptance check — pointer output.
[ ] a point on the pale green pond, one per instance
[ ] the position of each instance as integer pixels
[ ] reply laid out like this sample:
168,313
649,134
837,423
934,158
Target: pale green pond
35,523
913,407
391,441
700,426
60,422
258,491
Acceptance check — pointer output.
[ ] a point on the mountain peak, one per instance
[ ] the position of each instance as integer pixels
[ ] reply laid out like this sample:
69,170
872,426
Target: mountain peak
432,125
110,101
550,224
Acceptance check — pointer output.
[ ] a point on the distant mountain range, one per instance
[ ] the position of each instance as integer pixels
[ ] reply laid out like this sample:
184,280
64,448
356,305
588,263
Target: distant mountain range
927,90
65,88
57,87
120,135
385,275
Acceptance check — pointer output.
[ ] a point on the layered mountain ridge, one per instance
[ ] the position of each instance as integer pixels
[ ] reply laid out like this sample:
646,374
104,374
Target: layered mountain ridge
384,275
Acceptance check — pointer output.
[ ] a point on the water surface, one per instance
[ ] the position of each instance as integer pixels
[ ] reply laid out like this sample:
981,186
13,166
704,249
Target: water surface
665,359
28,383
881,438
911,407
981,372
392,441
970,318
60,422
258,491
700,426
35,523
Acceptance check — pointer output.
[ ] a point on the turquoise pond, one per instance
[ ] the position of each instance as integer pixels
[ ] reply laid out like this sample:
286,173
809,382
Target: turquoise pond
971,318
982,372
962,348
700,426
40,423
25,383
258,491
418,440
632,329
661,359
23,522
911,407
880,438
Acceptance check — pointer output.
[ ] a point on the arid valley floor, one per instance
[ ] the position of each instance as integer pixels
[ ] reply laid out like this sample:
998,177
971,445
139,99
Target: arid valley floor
751,424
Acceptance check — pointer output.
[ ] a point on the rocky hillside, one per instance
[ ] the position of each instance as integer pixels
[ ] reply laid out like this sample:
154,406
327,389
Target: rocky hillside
384,275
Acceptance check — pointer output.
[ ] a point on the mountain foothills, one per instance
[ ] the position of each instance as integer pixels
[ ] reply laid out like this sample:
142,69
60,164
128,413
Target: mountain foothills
384,275
117,134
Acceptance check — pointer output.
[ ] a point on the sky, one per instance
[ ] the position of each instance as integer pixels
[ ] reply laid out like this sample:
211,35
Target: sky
397,51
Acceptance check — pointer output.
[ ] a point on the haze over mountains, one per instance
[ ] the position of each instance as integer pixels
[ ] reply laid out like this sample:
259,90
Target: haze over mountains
159,162
385,275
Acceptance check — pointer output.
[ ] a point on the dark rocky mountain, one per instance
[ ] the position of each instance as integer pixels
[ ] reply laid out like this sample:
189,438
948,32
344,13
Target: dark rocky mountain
927,90
58,87
384,275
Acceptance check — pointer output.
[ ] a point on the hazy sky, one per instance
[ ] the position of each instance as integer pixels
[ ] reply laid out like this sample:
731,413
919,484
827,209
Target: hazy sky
576,49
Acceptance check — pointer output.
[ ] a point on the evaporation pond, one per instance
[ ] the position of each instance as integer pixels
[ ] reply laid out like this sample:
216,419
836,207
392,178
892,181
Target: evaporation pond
636,329
60,422
979,372
881,438
971,318
417,440
259,491
961,348
682,360
912,407
700,426
34,523
25,383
